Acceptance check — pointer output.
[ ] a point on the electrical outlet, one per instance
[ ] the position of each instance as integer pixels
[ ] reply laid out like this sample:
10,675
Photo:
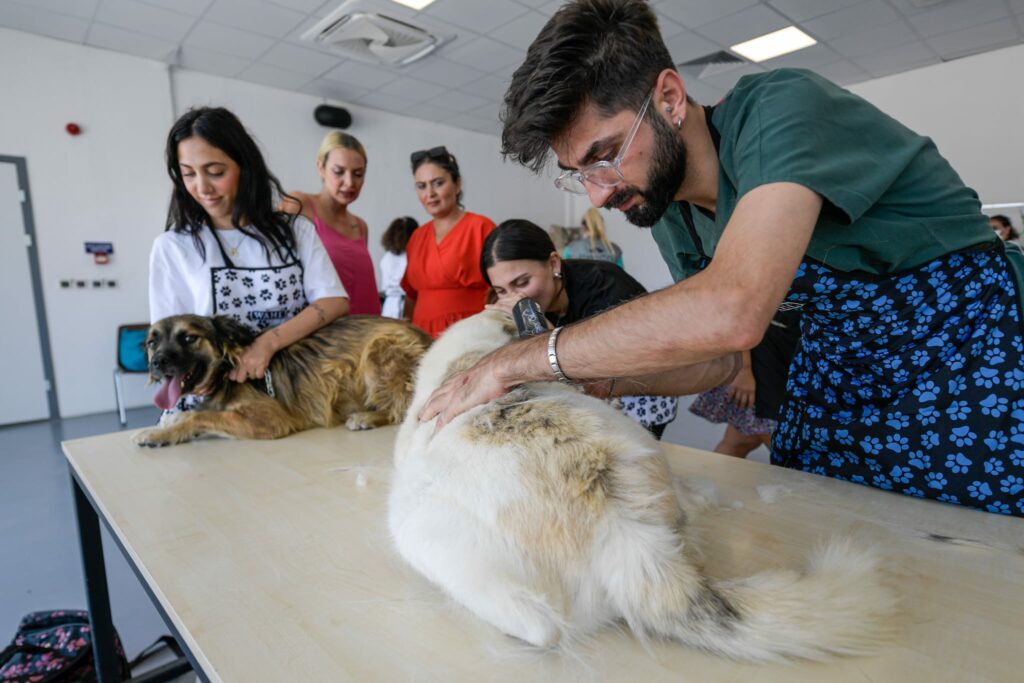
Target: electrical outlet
80,284
97,284
111,284
65,284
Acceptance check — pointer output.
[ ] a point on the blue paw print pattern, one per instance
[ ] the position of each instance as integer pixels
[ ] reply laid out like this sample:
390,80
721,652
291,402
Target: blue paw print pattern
912,383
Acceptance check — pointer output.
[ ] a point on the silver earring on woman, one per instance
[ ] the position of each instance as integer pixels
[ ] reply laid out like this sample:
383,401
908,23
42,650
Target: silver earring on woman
679,122
558,276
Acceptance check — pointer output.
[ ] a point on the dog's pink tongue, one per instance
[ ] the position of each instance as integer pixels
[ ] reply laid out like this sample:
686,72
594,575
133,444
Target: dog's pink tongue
169,392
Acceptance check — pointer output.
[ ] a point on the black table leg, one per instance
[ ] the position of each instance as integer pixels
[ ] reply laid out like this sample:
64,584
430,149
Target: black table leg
97,596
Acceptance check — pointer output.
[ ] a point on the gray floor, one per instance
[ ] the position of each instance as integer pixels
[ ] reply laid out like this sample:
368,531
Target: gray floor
40,566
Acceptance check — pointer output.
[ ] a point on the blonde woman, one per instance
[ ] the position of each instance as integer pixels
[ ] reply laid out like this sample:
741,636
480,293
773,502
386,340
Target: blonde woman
341,162
594,245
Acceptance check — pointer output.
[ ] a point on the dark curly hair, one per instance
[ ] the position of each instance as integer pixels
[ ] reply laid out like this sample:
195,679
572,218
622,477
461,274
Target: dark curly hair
605,52
257,186
398,233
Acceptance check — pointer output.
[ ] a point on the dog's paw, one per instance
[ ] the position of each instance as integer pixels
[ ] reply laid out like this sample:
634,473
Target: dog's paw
153,438
358,422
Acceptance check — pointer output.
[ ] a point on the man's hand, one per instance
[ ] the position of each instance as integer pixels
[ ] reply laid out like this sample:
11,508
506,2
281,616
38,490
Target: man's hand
516,363
463,391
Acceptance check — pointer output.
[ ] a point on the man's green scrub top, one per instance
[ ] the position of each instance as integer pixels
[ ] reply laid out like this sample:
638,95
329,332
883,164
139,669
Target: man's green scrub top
892,202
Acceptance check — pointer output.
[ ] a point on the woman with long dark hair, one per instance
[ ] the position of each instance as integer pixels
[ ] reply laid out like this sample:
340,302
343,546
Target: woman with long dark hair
227,251
519,260
443,277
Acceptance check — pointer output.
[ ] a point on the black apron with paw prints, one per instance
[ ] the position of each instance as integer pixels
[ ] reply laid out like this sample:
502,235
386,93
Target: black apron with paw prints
259,298
911,382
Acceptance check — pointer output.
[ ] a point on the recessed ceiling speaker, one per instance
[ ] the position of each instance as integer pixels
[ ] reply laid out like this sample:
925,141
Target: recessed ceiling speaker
332,117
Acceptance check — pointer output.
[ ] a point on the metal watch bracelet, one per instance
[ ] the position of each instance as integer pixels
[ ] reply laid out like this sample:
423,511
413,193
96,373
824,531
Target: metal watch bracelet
553,356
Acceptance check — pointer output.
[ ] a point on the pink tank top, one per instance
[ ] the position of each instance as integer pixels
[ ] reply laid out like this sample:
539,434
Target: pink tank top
351,258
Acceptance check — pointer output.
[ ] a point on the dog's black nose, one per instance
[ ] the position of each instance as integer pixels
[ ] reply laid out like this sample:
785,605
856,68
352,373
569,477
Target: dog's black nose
159,363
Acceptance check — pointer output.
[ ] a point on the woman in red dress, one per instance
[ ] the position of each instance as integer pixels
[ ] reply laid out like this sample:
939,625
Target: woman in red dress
442,281
341,162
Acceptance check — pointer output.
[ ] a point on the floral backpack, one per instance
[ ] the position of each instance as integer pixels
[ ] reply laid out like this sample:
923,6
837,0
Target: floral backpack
54,647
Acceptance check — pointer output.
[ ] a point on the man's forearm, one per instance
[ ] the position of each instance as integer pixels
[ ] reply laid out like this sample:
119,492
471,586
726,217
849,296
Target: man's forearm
692,379
644,337
527,361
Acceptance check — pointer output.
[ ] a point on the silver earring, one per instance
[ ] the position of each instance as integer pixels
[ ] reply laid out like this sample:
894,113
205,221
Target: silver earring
679,122
668,108
558,276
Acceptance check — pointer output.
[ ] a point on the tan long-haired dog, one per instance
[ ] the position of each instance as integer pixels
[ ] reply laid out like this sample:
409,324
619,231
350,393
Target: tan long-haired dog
549,514
358,370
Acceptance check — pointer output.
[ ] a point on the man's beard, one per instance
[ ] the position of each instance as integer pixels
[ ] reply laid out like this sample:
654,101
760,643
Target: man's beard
667,172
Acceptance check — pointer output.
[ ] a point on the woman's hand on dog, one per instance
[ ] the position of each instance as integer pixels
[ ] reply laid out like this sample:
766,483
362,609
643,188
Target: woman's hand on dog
742,389
253,362
503,305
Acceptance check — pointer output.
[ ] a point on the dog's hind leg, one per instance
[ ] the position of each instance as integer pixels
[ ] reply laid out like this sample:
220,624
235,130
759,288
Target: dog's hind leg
367,419
388,367
837,606
479,574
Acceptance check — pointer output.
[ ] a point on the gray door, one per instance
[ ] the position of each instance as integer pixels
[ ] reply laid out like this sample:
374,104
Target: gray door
22,358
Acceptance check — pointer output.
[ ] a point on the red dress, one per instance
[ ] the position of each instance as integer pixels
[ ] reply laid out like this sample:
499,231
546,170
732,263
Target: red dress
351,258
444,279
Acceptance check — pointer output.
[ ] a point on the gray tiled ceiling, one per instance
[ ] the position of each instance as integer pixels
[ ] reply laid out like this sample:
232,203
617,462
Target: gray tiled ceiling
464,81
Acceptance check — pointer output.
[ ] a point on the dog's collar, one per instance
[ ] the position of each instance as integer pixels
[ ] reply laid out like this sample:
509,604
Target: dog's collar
268,380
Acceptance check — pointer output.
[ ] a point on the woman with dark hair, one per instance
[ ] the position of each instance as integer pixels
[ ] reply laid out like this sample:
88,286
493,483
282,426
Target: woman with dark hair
392,265
519,260
442,279
226,251
341,162
1004,228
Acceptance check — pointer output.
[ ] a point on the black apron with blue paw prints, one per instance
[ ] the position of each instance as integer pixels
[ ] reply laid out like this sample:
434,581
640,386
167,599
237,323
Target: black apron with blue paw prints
259,298
912,382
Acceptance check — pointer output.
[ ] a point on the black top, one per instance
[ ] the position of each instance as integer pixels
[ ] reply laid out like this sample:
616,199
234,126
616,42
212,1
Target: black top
593,286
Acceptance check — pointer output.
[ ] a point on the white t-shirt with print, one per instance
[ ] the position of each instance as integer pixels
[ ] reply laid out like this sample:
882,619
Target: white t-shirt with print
179,278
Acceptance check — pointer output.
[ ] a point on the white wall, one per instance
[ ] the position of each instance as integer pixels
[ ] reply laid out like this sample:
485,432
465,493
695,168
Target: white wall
973,108
104,185
109,184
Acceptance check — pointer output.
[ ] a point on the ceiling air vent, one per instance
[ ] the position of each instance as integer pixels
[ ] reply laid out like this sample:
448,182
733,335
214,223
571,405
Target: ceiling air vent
709,65
372,37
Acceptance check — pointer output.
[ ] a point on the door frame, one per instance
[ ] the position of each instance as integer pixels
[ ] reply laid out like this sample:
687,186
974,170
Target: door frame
21,166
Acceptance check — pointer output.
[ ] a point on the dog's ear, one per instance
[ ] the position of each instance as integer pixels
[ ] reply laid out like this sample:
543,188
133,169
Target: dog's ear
232,330
151,333
232,336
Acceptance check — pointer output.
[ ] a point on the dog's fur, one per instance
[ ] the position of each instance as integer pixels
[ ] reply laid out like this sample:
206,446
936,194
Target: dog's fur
358,370
550,514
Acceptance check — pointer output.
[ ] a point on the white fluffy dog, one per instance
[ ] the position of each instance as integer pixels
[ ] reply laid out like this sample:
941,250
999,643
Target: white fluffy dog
550,514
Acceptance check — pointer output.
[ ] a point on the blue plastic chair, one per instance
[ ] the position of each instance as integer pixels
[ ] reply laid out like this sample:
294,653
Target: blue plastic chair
131,357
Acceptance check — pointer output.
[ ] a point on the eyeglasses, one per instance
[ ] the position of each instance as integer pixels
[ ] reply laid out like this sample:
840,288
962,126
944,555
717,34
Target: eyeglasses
602,173
432,153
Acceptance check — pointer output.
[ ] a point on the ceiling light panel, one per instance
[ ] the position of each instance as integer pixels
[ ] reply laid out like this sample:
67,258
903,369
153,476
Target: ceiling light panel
773,44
